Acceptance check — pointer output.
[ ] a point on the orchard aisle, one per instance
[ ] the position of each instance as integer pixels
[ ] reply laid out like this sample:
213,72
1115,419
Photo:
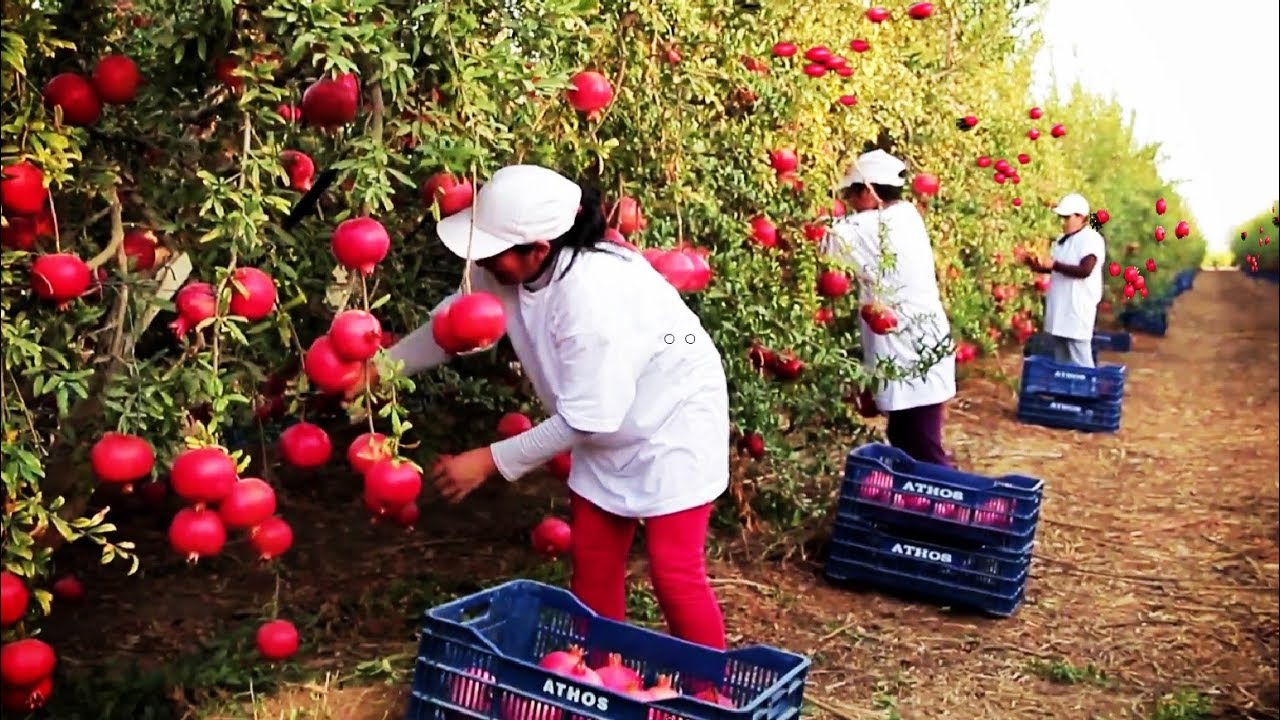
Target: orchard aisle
1156,561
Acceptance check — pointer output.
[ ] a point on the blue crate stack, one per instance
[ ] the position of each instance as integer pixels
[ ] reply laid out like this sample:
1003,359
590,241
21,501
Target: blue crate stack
478,658
931,532
1071,397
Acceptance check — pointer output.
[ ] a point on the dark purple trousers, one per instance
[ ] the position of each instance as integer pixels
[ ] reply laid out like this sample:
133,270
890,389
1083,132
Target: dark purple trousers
918,432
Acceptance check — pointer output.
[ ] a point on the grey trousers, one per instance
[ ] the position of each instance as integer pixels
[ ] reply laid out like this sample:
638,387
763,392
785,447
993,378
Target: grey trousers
1076,352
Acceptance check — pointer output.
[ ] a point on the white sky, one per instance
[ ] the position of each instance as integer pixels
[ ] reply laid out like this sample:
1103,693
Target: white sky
1204,81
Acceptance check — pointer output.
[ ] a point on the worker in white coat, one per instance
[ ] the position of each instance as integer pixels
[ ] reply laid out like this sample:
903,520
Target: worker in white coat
630,380
886,243
1075,284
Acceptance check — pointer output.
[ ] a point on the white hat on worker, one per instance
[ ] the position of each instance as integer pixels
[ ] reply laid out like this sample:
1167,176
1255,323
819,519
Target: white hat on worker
520,205
1073,204
875,168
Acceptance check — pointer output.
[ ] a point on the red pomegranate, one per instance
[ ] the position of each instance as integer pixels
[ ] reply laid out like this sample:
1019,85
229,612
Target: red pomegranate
327,370
13,598
197,533
677,267
305,445
512,424
393,482
26,699
140,248
331,102
407,515
920,11
195,303
560,466
877,14
367,449
227,71
784,49
360,243
356,335
552,537
701,276
449,193
253,294
22,190
277,640
471,322
203,475
626,214
68,588
118,458
859,45
784,160
250,502
19,234
60,277
763,232
272,538
590,92
116,80
300,168
25,662
833,284
925,185
75,95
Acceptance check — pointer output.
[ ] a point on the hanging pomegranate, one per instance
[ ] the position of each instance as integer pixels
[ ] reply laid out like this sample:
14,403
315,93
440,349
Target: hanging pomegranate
196,303
75,95
305,445
197,533
22,190
589,92
116,79
331,102
121,459
203,475
60,277
356,335
393,482
250,502
272,538
360,244
253,294
327,370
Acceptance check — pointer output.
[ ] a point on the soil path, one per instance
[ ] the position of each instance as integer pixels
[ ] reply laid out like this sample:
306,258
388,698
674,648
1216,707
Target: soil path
1156,563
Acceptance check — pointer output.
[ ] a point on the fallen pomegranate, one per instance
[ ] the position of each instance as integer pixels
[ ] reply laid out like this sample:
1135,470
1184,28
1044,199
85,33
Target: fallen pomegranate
327,370
75,96
360,244
195,303
277,640
202,475
68,589
60,277
250,502
22,190
195,534
305,445
589,92
552,537
331,102
121,459
272,538
445,191
300,168
356,335
116,80
14,597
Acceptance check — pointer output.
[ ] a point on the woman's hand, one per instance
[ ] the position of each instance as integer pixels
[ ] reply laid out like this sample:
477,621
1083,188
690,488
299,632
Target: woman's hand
456,476
1034,263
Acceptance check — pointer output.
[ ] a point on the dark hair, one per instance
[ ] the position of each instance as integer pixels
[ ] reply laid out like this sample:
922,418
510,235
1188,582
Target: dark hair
586,235
887,193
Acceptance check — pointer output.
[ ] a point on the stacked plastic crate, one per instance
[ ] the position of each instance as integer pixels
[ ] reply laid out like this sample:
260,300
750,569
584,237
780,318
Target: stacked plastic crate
1067,396
932,532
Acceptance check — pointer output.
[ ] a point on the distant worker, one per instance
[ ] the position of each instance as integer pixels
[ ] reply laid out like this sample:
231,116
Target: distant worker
1075,285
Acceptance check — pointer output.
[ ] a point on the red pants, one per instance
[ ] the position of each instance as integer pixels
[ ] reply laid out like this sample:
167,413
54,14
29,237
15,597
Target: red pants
677,567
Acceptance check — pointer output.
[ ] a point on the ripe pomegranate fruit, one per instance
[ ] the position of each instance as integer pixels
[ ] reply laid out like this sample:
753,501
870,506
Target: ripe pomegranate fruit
1058,130
366,450
877,14
26,699
300,168
784,160
676,266
920,11
763,232
880,320
1035,113
407,515
305,445
589,92
925,185
984,162
815,70
753,444
118,458
250,502
859,45
68,589
272,538
833,284
700,278
616,676
140,248
1151,265
818,54
327,370
197,533
25,662
1182,229
552,537
19,234
356,335
560,466
393,482
360,243
75,95
277,640
1114,269
471,322
195,303
227,71
331,102
1161,206
1033,134
784,49
1023,158
116,79
445,191
626,214
1159,233
203,475
60,277
289,113
253,294
13,598
22,190
512,424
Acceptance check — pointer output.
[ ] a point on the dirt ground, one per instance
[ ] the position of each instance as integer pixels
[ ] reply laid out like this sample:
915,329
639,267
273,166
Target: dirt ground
1155,571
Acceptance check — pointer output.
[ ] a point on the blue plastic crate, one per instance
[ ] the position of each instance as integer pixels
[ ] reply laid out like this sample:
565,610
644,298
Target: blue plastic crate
1149,321
885,486
1070,413
988,581
1112,341
478,658
1043,375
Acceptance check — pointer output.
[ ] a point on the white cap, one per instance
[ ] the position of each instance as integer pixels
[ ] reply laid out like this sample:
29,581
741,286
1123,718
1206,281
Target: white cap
1073,204
520,205
875,168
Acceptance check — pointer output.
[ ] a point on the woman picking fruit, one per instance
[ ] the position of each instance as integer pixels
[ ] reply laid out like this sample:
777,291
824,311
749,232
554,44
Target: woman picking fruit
885,241
632,382
1075,286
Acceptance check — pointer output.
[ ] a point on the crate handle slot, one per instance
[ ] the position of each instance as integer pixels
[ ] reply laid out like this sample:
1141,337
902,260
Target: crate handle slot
473,613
